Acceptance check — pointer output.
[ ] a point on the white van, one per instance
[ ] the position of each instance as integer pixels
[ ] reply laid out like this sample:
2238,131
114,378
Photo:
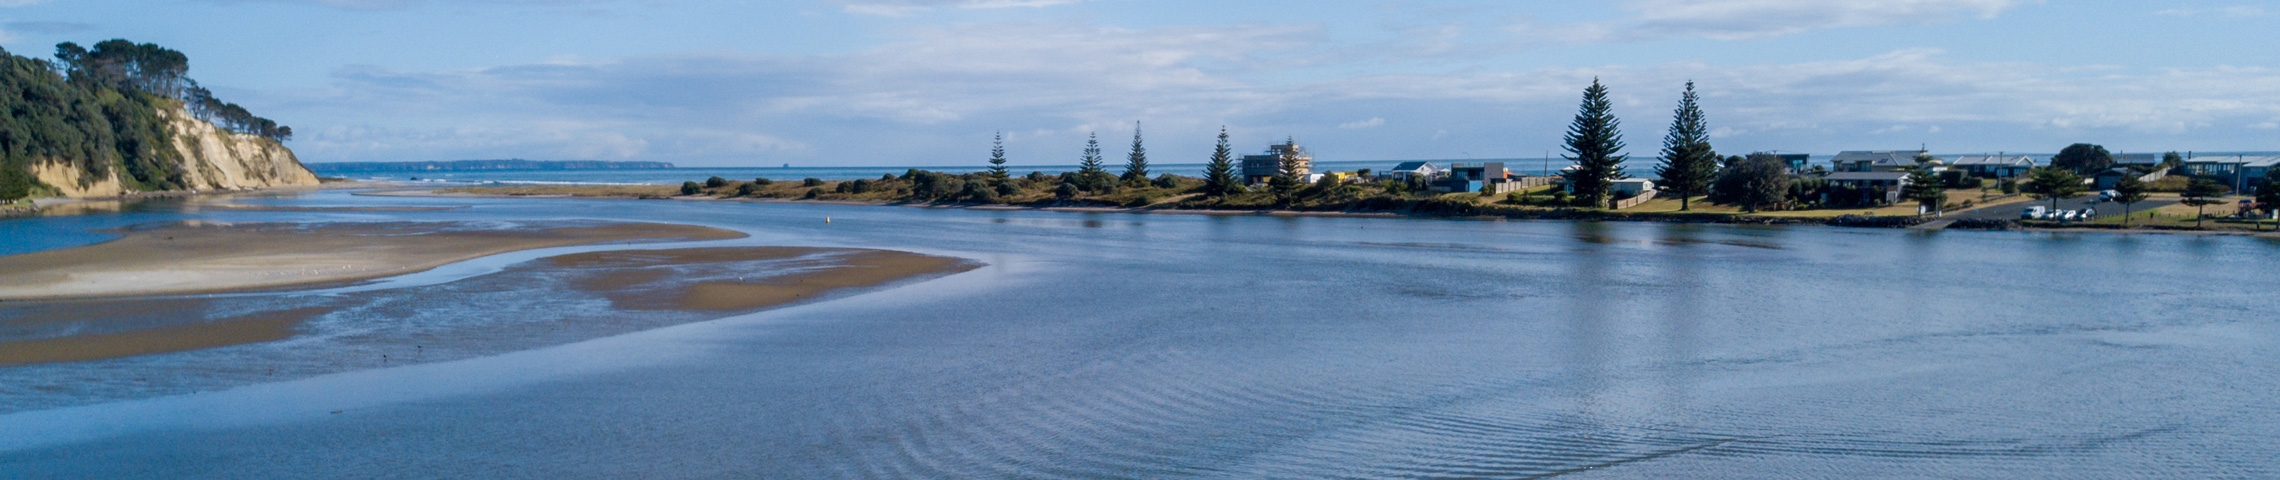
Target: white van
2034,213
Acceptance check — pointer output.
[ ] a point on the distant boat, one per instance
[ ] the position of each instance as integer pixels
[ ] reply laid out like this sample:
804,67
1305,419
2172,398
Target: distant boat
787,165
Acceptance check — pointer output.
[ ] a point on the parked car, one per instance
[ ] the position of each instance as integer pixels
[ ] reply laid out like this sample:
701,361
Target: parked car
2068,215
2107,196
2089,214
2033,213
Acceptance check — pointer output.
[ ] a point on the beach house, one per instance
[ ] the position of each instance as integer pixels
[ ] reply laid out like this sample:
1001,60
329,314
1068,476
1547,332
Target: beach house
1855,188
2240,172
1797,162
1260,168
1407,171
1876,161
1993,166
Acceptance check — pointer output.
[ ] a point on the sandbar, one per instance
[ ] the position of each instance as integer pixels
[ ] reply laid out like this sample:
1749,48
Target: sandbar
635,270
194,257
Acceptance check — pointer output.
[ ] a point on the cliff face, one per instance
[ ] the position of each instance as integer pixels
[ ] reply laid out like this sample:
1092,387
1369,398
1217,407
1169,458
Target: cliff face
216,159
212,159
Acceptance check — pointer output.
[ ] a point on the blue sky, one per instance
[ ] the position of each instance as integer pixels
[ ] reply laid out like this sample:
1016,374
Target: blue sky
926,82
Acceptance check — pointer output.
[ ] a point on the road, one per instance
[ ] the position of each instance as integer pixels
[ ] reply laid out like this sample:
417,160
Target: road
2011,211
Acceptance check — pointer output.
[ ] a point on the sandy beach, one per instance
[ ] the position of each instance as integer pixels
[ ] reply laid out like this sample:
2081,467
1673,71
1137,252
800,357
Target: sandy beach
199,258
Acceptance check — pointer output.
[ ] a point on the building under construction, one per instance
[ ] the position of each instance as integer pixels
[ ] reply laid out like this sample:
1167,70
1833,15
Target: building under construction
1260,168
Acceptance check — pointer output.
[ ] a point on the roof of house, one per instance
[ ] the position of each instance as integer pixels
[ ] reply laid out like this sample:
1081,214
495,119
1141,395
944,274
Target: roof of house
1995,160
2245,161
1868,176
1635,180
1411,166
1881,157
2138,159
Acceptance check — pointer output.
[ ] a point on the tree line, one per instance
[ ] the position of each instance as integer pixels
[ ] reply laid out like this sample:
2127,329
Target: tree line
123,65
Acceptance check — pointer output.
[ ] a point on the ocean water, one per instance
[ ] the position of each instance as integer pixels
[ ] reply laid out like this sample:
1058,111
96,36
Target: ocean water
1198,346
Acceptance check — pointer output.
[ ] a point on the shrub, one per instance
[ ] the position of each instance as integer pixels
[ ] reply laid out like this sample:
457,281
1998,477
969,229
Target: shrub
763,181
1167,181
747,190
716,182
811,182
1007,188
812,193
1066,191
691,188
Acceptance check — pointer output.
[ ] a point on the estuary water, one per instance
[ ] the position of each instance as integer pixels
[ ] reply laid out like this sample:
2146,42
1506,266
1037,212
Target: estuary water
1194,346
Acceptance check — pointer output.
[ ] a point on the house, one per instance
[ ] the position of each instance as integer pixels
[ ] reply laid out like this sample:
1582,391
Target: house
1631,187
1407,171
1797,162
1485,178
1876,161
1993,166
1486,172
1872,187
2148,160
2106,180
1260,168
2241,172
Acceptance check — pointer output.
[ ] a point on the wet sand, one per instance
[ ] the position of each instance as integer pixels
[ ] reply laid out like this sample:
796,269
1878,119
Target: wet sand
204,258
261,327
635,277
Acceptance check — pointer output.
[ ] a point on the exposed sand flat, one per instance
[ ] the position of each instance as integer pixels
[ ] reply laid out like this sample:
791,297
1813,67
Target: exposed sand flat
850,269
263,327
199,258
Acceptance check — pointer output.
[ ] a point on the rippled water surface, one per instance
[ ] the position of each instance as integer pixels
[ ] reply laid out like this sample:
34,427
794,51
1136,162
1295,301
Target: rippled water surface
1152,346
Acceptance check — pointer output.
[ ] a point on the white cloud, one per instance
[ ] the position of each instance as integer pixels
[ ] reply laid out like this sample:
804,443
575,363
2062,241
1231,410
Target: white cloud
1750,19
897,8
935,95
1373,122
2235,11
20,3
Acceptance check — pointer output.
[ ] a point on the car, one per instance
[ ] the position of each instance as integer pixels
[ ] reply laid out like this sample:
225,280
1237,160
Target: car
2068,215
2033,213
2089,214
2107,196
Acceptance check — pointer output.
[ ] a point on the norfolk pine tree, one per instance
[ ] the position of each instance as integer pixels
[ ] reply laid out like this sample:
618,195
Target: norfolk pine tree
997,158
2054,183
1136,165
2129,192
2268,193
1090,173
1689,164
1596,146
2202,193
1925,189
1219,174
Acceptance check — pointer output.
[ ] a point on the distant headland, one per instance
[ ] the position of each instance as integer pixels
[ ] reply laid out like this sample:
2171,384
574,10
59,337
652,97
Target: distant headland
482,166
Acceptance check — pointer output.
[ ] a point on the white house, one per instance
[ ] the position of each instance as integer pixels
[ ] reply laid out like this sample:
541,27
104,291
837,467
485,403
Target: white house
1414,170
1631,187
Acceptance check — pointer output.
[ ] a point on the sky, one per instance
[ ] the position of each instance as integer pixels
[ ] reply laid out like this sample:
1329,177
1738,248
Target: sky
929,82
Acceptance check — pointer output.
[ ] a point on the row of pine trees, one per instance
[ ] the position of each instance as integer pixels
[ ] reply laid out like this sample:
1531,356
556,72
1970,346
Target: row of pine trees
1594,142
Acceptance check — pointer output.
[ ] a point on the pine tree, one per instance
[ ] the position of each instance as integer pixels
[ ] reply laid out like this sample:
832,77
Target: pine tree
1219,174
1595,143
997,158
1136,166
1689,164
1089,170
1925,189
